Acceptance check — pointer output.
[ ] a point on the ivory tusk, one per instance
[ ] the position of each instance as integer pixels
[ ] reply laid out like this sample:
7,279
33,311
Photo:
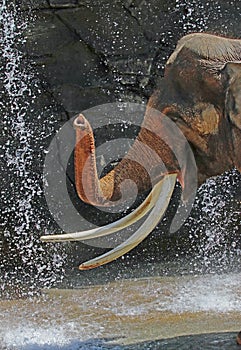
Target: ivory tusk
118,225
165,186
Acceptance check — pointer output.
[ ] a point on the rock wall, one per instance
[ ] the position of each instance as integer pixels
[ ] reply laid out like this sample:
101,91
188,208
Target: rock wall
78,54
92,52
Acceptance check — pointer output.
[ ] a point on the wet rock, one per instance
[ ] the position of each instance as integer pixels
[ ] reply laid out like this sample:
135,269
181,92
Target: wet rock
105,44
63,3
75,64
32,4
108,29
75,98
133,71
46,35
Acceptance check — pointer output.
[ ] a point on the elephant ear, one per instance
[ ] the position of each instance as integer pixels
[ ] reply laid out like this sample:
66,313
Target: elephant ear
233,108
233,94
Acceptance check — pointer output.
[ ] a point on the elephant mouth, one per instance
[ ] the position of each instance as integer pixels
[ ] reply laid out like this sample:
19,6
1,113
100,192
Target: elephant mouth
154,205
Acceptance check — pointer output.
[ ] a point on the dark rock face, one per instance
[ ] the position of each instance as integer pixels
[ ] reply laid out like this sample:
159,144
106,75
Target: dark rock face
89,52
92,52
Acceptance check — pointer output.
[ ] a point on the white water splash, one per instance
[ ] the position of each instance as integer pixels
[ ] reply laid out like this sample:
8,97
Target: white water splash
215,224
70,320
208,294
22,153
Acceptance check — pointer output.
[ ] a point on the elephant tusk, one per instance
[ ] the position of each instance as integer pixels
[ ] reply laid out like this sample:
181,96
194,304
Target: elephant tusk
118,225
165,186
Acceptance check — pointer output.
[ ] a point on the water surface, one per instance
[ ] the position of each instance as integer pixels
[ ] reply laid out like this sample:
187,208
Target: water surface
144,313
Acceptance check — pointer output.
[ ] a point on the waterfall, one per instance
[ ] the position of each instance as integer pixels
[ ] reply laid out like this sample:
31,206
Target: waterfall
214,226
24,131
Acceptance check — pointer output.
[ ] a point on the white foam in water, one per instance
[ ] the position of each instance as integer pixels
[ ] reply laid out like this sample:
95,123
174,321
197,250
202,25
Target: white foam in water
23,335
28,337
208,293
87,327
31,338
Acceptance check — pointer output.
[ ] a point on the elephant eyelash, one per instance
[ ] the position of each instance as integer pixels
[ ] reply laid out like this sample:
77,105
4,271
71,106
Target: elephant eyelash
174,117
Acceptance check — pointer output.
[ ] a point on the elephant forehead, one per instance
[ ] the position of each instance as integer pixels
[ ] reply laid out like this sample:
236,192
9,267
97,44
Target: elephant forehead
208,46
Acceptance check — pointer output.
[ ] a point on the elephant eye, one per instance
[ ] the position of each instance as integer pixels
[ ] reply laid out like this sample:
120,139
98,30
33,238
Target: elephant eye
174,116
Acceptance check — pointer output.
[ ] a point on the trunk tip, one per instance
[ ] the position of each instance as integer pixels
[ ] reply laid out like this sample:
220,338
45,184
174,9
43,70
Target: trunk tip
80,122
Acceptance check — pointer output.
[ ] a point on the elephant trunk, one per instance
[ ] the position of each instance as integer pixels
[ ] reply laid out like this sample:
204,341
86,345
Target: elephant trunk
148,160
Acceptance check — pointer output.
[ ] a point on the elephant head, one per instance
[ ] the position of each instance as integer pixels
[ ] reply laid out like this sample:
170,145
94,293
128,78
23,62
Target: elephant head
200,93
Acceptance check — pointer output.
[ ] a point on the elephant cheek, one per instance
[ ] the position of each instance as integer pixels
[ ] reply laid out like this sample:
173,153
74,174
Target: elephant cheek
236,135
233,104
236,119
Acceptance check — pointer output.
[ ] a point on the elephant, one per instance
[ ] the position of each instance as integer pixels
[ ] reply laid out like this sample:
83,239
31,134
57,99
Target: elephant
238,339
200,94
